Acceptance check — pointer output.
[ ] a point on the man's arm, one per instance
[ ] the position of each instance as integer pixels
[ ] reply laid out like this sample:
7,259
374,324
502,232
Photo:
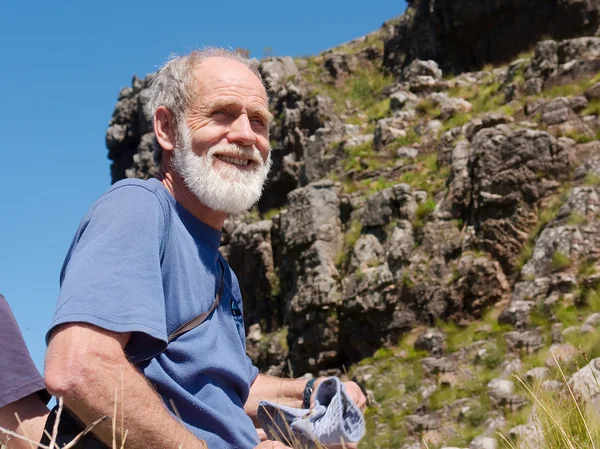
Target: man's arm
32,413
289,392
86,365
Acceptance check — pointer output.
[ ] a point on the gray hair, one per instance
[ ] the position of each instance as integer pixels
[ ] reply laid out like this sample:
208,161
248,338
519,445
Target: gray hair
173,85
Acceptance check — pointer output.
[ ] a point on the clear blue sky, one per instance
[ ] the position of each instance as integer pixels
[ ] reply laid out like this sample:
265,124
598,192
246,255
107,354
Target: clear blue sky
63,64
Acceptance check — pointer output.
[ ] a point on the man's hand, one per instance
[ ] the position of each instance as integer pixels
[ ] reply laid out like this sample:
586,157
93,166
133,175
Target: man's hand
352,389
270,444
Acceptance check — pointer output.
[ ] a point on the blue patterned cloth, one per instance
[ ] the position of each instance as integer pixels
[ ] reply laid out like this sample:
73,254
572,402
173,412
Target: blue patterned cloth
334,419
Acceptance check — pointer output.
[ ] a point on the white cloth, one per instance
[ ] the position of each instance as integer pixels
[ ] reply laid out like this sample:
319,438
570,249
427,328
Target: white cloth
334,419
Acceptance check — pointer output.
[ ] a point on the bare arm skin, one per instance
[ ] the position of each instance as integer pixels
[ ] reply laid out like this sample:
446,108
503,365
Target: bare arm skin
85,365
32,412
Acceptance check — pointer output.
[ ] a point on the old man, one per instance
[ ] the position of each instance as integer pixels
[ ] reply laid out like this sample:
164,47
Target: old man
148,308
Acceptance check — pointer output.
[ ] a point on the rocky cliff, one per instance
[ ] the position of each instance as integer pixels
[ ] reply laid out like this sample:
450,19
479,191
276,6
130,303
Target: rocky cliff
432,229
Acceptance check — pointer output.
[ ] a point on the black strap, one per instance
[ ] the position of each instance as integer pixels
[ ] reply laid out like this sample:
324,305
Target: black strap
197,321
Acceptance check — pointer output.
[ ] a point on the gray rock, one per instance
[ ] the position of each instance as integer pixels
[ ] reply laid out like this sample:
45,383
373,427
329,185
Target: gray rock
584,382
450,106
593,92
481,283
487,120
529,341
537,374
277,71
250,254
590,324
419,68
439,365
517,314
339,65
528,435
307,242
407,152
367,252
399,100
433,341
387,130
321,155
484,443
421,423
504,185
379,208
566,240
563,352
509,367
400,245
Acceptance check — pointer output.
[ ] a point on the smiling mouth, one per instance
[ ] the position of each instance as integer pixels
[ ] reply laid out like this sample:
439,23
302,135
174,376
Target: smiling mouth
234,160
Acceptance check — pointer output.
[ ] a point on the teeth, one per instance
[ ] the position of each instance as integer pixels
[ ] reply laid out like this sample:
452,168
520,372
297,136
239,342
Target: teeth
232,160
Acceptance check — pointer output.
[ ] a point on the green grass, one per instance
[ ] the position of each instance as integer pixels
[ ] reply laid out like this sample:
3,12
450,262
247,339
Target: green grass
576,219
350,239
273,278
560,261
545,215
564,420
427,174
268,215
593,108
524,256
457,120
424,209
363,89
428,108
405,141
591,180
568,90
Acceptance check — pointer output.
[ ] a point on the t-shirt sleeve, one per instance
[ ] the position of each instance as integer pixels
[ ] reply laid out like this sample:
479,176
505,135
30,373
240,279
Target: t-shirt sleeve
112,274
18,375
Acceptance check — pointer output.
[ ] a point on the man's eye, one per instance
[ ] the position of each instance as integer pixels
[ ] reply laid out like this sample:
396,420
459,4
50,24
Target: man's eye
258,122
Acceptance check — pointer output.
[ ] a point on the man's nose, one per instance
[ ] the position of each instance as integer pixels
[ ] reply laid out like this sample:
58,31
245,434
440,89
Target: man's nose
241,132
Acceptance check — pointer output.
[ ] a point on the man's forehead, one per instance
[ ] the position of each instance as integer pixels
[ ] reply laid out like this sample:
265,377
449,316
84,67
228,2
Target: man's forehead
217,74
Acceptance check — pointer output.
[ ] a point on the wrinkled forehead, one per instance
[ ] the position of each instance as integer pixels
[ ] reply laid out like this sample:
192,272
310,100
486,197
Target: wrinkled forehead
217,76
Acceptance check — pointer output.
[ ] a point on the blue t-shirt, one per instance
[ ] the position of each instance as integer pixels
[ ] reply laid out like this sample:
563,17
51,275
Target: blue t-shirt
141,263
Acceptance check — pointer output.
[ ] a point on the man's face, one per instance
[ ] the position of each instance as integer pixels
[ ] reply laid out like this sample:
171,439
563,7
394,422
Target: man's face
224,155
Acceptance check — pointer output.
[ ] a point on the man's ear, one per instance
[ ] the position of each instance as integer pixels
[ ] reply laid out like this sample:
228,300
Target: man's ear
165,128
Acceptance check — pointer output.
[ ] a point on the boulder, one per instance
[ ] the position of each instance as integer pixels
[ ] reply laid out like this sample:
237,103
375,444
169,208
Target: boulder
432,341
307,241
528,341
419,68
277,71
463,36
584,382
250,254
504,184
517,314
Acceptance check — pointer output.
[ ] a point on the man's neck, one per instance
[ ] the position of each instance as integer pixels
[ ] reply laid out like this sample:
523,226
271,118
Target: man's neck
175,185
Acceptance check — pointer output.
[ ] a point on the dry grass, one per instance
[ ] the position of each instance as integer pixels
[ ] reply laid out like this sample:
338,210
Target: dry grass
563,420
53,437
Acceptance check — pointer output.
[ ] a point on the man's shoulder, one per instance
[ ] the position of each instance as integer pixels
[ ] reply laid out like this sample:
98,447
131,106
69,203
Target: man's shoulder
128,202
134,186
135,193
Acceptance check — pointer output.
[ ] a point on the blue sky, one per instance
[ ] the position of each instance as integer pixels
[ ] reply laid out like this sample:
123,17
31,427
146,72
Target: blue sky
64,63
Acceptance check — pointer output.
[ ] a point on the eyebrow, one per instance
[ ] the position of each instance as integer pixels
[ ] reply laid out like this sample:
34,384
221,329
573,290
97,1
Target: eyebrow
263,113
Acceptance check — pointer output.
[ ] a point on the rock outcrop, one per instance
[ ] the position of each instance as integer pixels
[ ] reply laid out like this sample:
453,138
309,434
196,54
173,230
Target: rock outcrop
465,35
437,234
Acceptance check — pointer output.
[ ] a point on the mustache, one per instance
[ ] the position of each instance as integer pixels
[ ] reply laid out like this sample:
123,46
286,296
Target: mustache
231,149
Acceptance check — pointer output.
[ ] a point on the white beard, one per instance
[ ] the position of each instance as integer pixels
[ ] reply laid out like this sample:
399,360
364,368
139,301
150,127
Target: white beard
226,189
